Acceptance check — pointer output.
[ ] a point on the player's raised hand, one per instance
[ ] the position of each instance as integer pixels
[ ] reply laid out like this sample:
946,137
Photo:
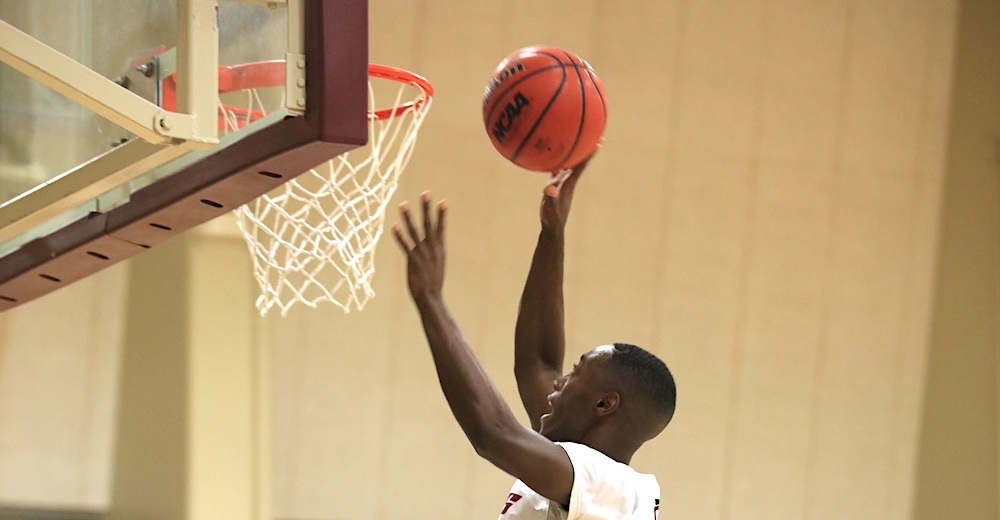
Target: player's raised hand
559,196
425,251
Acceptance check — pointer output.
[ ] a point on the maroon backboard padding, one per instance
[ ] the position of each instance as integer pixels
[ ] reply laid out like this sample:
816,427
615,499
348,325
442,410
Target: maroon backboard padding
335,121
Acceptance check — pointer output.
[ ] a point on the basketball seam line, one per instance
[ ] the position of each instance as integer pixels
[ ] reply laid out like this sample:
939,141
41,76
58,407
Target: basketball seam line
523,78
541,116
512,86
583,112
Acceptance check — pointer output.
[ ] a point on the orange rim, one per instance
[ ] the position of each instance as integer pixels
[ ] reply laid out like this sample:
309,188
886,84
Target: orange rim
402,76
234,78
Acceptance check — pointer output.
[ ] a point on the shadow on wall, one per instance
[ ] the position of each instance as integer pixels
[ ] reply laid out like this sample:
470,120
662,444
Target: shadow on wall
7,513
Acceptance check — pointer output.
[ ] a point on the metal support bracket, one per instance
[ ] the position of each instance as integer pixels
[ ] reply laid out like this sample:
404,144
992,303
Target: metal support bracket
168,124
295,83
295,59
93,91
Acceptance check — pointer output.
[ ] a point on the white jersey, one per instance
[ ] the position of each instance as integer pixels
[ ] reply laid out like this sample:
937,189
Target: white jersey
603,489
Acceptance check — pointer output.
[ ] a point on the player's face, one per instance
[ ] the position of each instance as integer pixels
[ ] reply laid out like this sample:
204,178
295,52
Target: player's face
575,398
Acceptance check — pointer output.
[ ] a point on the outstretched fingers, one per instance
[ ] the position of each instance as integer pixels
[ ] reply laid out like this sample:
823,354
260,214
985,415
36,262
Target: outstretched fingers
567,184
411,230
425,206
563,181
442,207
397,229
423,244
411,238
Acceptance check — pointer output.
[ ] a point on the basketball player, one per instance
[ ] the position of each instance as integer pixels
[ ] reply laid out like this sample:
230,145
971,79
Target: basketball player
586,425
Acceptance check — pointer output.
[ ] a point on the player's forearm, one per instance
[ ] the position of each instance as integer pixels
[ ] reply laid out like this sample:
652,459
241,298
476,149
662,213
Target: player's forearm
539,335
474,401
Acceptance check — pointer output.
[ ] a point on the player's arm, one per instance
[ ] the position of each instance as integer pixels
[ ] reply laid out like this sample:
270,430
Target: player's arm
539,336
475,402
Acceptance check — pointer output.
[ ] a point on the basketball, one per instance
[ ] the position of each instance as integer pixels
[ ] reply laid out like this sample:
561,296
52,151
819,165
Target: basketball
545,109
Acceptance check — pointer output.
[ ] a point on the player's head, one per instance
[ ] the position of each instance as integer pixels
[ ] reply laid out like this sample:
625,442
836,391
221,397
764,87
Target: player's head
648,381
618,388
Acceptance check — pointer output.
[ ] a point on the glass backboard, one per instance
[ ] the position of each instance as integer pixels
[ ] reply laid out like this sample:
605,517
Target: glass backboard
84,183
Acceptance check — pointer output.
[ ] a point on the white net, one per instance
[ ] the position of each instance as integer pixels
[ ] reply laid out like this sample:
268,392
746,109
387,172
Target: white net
313,239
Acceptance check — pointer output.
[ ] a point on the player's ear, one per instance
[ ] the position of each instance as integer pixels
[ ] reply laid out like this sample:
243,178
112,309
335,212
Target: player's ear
608,403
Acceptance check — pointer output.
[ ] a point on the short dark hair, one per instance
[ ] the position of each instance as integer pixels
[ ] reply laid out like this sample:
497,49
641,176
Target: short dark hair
650,376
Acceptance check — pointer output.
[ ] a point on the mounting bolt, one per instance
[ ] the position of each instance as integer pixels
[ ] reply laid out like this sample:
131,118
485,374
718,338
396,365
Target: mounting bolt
301,63
146,69
121,81
301,101
166,123
301,83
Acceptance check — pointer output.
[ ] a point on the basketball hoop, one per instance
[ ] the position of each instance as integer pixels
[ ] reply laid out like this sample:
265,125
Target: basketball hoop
313,238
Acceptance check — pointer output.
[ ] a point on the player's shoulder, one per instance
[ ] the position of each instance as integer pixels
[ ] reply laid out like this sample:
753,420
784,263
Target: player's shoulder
606,488
576,448
587,460
586,453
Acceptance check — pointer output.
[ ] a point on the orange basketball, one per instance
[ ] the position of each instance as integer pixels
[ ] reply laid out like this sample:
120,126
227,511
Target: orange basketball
545,109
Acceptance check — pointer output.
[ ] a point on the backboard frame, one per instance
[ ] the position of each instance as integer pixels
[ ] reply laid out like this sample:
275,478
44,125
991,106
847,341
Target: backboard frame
334,121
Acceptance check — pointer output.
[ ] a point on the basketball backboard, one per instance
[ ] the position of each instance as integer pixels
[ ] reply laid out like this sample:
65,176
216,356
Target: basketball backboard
109,121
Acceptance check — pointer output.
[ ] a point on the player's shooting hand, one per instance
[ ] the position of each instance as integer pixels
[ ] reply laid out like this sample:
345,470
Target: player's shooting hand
425,252
559,196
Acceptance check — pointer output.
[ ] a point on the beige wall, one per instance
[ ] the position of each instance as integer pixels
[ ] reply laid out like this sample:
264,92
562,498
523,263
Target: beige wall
58,381
957,473
763,216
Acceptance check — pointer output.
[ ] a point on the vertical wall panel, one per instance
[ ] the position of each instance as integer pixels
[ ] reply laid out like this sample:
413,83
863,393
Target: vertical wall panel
58,378
885,80
959,448
699,288
870,247
776,380
720,76
611,258
803,86
636,52
911,356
